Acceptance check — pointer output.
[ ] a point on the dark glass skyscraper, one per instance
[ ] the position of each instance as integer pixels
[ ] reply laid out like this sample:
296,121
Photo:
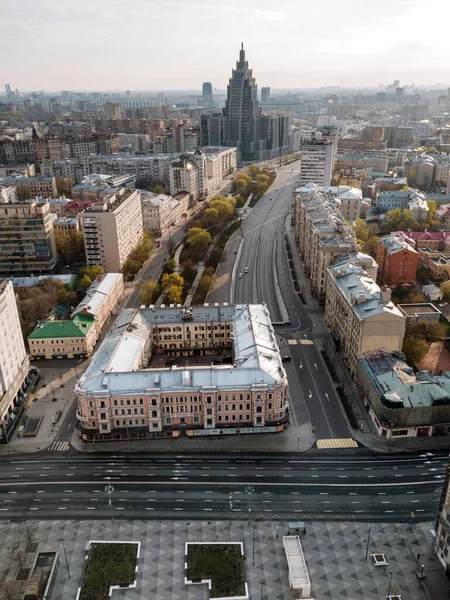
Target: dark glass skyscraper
207,94
242,127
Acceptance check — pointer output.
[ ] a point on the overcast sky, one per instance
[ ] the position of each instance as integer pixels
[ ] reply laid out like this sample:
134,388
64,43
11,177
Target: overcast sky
177,44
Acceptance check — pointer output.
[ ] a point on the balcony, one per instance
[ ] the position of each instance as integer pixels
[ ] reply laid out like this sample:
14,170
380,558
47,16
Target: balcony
82,418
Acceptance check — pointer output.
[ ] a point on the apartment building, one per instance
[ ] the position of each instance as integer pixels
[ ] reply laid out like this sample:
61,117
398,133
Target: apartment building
321,234
419,170
160,212
66,224
31,187
26,170
14,363
397,261
122,394
360,316
95,187
77,337
185,177
400,402
112,228
318,156
360,160
412,199
8,193
27,239
74,338
442,543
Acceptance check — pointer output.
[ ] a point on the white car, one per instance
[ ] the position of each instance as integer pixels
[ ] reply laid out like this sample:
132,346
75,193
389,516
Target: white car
246,270
240,275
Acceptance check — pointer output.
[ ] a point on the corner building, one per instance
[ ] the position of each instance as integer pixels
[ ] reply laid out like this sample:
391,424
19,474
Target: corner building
241,387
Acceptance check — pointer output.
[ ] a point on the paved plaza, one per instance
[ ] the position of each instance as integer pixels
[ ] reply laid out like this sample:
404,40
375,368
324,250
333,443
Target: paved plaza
334,551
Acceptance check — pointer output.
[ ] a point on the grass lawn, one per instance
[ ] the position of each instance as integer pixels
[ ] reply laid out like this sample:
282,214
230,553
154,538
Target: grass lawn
222,563
107,565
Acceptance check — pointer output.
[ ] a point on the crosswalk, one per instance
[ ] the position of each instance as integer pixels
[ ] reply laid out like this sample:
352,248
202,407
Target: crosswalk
336,443
59,447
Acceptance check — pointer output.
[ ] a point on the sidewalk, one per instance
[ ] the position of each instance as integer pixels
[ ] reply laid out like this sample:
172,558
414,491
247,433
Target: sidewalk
293,439
43,406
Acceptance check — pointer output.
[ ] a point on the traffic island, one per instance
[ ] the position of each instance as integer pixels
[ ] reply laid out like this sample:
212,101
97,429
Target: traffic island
220,566
109,566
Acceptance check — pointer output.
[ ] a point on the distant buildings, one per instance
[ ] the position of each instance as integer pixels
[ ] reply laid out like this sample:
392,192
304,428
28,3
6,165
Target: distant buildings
112,110
8,193
27,239
318,156
207,95
95,187
397,261
123,393
14,363
360,160
265,95
112,228
360,315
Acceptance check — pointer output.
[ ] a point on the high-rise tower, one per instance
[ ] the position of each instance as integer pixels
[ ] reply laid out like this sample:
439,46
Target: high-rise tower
241,113
207,94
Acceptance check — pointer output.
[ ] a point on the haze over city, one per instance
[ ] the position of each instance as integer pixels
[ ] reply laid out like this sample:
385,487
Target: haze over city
177,45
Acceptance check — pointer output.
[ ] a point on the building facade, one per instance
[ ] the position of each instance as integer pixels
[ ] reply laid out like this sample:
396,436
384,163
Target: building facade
31,187
360,316
27,238
14,363
397,261
317,159
112,228
207,94
122,394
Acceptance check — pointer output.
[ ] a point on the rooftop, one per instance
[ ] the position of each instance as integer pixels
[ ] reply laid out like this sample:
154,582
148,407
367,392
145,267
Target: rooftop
119,364
77,327
97,294
399,387
395,243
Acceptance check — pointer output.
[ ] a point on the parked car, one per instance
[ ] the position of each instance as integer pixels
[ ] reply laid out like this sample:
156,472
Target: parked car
286,358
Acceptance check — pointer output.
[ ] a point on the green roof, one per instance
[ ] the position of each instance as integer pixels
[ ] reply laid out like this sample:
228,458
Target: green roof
79,326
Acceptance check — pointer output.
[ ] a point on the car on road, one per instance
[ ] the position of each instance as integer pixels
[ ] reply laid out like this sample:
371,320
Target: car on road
443,304
240,275
286,358
246,270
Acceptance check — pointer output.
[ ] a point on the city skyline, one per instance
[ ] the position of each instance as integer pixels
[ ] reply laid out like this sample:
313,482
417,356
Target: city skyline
290,45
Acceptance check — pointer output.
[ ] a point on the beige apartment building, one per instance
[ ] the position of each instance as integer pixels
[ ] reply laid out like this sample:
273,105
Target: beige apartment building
27,239
321,234
160,211
32,187
14,363
360,316
240,388
112,228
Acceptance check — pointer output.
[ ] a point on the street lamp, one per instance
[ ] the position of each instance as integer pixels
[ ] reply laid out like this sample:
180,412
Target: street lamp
65,556
389,588
253,543
109,490
368,540
231,506
263,583
249,490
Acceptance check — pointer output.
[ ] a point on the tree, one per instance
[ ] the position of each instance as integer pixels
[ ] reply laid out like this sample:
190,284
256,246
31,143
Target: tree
445,289
159,189
171,279
70,246
261,188
414,349
361,230
211,216
92,271
174,294
198,237
64,185
147,292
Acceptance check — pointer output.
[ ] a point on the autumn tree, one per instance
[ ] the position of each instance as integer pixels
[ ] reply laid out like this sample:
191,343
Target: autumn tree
147,292
159,189
445,289
70,246
414,349
64,185
173,294
88,274
171,279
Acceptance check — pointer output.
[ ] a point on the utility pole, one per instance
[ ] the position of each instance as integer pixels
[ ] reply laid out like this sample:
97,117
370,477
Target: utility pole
231,507
249,490
65,556
368,540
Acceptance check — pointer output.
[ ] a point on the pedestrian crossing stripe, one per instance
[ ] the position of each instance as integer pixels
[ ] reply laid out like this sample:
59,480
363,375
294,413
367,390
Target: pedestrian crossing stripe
337,443
306,342
59,447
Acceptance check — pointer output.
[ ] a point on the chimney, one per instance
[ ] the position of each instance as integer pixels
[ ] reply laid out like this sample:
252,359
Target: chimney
386,294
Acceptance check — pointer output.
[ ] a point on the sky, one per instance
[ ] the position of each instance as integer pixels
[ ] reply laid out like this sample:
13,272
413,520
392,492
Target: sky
178,44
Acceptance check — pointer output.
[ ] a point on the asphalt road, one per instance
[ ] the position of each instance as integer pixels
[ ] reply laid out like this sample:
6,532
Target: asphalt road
263,253
356,485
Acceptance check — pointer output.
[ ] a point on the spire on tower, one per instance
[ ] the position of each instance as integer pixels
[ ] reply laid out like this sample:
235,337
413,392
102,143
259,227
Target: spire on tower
241,61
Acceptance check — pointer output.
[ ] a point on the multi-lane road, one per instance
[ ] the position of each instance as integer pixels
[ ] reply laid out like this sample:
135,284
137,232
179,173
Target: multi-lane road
353,485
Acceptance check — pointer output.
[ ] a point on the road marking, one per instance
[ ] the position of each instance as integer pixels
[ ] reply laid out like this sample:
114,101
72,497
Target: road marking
149,508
